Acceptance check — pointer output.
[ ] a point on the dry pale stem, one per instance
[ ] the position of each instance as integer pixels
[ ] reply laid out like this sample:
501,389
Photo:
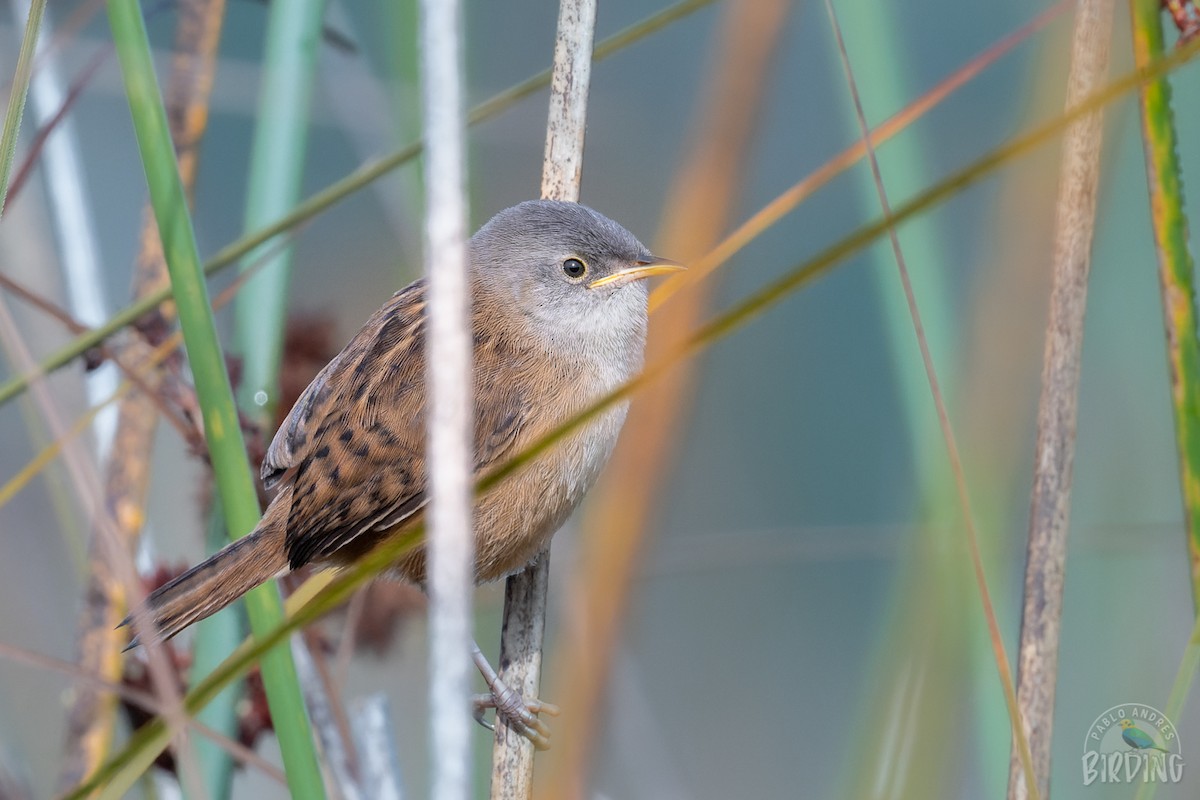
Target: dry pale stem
1055,450
525,595
448,353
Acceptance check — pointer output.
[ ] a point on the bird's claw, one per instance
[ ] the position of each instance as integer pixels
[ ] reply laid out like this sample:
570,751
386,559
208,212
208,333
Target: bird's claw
517,712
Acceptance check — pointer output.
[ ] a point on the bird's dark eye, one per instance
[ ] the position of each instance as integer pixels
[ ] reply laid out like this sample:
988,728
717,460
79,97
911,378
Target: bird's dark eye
574,268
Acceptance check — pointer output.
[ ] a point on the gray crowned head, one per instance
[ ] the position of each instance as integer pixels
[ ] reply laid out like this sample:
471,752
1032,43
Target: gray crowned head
567,270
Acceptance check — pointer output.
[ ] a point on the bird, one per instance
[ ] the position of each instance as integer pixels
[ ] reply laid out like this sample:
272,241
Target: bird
558,318
1137,738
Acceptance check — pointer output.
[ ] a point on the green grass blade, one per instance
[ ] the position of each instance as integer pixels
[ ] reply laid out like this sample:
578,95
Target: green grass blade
16,97
1176,279
235,484
1175,268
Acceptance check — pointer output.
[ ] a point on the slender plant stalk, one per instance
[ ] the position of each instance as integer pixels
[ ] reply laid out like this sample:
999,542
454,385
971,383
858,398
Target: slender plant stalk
91,716
17,95
323,593
525,593
613,532
92,713
1050,506
222,428
127,478
54,115
448,351
340,190
881,78
1175,269
1004,328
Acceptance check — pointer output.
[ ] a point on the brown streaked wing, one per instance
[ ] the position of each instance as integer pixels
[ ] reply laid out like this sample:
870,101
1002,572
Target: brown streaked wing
292,442
360,467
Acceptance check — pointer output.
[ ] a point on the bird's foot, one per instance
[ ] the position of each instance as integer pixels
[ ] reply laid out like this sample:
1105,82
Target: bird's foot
518,713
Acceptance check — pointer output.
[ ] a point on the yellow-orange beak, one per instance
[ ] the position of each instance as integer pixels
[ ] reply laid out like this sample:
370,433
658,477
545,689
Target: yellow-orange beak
640,271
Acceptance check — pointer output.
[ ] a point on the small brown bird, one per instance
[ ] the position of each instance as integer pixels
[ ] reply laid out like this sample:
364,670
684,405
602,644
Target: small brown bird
558,313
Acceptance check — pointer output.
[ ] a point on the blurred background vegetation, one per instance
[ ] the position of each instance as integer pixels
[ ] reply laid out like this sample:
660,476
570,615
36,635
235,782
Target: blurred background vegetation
801,619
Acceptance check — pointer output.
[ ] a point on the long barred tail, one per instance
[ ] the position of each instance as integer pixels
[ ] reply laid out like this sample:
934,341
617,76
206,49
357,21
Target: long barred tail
210,586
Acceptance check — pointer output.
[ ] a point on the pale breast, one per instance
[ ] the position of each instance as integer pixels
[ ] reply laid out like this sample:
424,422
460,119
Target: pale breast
515,521
544,388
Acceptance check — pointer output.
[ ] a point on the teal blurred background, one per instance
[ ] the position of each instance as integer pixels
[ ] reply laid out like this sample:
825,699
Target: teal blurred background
804,623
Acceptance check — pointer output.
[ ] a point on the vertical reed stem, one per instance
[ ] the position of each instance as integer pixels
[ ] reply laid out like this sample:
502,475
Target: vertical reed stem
525,594
1054,457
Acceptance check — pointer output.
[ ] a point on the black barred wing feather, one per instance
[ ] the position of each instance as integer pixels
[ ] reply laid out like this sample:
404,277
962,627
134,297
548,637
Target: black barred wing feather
353,447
